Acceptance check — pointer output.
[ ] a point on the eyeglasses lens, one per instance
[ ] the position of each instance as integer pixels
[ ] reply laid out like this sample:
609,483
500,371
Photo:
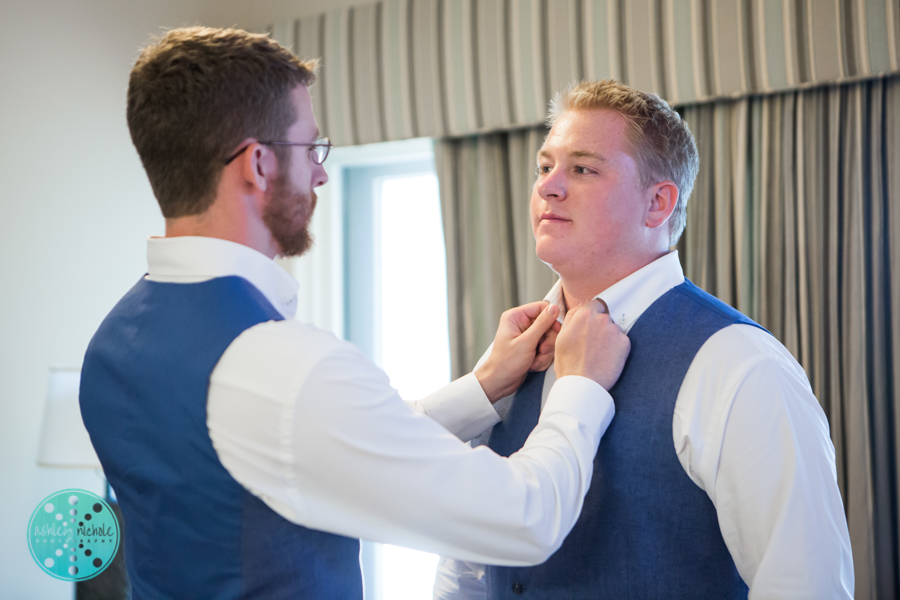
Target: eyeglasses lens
321,148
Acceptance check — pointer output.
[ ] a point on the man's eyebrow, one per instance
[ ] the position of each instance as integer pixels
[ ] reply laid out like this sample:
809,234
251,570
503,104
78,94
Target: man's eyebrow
574,153
587,154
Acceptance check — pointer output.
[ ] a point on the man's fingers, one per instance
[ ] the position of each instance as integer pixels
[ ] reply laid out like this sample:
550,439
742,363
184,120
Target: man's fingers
523,316
591,345
541,362
541,325
548,342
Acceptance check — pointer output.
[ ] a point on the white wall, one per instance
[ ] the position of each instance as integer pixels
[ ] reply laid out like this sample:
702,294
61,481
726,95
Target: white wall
76,209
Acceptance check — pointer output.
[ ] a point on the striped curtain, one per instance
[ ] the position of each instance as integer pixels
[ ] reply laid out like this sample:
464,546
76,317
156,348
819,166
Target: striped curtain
399,69
795,220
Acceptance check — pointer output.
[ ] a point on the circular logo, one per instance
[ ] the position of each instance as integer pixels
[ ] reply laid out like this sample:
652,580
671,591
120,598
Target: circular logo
73,535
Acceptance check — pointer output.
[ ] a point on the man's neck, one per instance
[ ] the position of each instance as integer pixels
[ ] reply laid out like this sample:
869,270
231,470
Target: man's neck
232,222
579,288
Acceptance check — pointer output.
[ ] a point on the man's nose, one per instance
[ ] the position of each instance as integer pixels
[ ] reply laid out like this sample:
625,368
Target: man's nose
320,176
552,185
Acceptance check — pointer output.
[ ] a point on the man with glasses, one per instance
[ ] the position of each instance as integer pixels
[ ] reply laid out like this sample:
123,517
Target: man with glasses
249,451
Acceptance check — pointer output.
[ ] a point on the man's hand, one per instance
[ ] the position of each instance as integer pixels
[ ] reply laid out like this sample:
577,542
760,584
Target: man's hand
591,345
524,342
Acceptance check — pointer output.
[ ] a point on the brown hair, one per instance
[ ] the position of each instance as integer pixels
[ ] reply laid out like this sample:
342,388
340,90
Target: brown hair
194,94
660,141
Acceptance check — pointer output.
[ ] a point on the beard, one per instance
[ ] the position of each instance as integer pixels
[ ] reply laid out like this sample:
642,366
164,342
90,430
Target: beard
287,215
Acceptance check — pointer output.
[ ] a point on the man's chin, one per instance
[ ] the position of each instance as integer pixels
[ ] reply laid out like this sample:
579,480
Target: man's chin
295,247
548,252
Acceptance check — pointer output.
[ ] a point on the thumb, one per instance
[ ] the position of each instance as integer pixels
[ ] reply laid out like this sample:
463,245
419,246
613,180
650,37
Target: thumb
541,325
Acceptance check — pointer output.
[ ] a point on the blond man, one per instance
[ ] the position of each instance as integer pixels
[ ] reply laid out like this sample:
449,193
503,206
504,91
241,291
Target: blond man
716,478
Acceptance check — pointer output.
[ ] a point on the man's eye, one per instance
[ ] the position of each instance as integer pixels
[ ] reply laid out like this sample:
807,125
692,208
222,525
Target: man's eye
542,169
582,170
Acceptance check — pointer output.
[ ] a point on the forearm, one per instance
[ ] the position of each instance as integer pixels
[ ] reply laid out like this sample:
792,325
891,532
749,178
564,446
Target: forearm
461,407
412,484
334,448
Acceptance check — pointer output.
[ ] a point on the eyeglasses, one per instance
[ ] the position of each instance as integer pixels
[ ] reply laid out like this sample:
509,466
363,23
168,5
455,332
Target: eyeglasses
319,149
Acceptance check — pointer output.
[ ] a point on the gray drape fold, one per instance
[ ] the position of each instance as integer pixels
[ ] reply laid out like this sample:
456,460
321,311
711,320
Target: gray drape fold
794,220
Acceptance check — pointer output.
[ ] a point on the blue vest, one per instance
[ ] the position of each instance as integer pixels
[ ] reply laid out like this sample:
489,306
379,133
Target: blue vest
191,530
646,530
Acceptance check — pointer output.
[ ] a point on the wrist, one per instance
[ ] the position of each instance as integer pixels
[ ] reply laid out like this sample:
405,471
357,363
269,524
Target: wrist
486,376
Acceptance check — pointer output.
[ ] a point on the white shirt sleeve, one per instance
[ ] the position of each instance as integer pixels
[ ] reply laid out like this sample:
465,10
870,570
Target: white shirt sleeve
465,580
311,426
749,431
459,580
461,407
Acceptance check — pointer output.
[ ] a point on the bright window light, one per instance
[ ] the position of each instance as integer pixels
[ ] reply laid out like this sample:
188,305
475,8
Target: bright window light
415,349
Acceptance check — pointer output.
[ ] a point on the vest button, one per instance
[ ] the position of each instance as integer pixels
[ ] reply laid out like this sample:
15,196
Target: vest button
517,588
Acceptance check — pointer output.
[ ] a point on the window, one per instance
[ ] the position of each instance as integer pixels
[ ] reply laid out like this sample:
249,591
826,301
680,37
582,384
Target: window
396,308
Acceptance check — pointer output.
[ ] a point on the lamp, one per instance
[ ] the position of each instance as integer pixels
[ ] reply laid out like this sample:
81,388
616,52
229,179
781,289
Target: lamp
64,440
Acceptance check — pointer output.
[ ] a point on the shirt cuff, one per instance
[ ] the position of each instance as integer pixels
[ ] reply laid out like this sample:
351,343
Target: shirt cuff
584,399
462,408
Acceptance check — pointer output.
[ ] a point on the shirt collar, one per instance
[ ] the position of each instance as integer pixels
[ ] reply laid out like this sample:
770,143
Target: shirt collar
194,259
628,298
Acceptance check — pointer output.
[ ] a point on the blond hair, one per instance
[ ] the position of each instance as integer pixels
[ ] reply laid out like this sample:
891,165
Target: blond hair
194,94
659,140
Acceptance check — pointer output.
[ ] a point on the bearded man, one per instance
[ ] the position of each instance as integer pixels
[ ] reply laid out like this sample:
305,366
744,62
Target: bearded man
249,451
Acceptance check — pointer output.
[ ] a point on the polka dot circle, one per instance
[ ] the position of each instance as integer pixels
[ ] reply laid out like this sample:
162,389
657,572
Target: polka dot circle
54,529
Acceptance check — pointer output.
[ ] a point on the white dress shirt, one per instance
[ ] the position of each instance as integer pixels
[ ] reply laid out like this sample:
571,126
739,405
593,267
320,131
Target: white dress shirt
308,424
748,430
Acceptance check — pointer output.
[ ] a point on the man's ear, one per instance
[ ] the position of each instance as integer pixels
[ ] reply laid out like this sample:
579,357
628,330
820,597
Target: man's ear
260,167
662,203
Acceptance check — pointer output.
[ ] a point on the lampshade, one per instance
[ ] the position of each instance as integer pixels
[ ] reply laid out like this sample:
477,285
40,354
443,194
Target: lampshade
64,440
